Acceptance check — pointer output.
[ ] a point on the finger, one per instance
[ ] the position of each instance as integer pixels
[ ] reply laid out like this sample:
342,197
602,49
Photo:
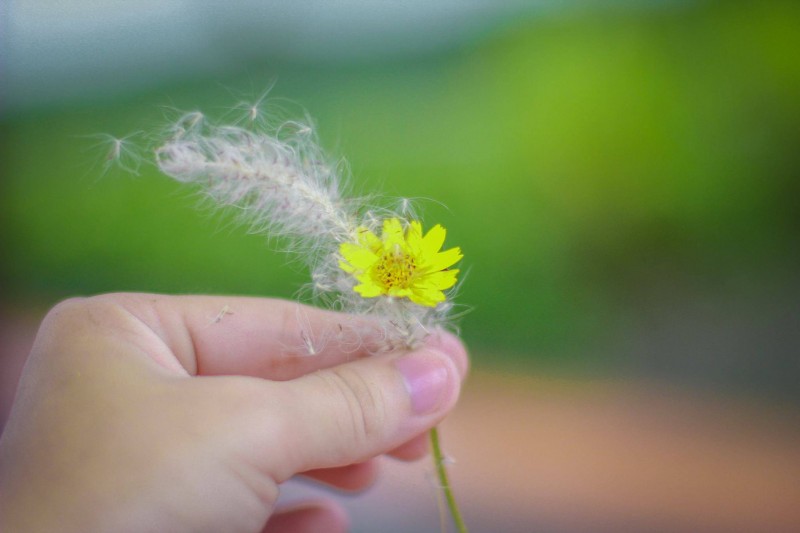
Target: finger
362,409
268,338
412,450
312,517
354,477
451,345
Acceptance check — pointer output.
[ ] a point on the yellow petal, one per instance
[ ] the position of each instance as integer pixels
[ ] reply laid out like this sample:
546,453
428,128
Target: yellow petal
438,280
368,290
365,277
428,298
414,238
368,239
359,257
445,259
392,234
399,292
346,267
433,240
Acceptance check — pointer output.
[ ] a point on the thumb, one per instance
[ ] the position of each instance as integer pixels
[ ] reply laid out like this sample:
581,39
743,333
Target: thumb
357,410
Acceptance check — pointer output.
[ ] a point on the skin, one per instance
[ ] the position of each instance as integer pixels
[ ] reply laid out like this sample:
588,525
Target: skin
140,412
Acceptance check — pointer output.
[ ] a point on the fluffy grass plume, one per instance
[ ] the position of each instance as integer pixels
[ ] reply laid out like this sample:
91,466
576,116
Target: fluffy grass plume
364,260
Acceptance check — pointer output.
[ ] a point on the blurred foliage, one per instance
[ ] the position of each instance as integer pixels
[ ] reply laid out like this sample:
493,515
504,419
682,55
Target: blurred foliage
584,157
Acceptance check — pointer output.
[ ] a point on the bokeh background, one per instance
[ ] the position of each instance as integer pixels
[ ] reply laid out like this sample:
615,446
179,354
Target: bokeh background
622,177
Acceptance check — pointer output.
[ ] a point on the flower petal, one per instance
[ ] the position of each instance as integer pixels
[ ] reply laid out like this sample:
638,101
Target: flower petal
428,298
433,240
399,292
414,238
368,290
347,267
359,257
368,239
393,234
445,259
437,280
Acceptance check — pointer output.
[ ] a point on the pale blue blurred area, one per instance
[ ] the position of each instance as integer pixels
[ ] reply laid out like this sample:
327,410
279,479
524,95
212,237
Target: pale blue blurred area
87,49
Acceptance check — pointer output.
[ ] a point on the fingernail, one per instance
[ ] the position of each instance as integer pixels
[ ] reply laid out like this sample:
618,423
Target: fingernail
426,380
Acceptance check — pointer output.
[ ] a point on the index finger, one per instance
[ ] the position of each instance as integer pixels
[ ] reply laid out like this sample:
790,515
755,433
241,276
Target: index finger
262,337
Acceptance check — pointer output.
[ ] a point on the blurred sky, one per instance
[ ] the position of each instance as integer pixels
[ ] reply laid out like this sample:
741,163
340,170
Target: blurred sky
81,49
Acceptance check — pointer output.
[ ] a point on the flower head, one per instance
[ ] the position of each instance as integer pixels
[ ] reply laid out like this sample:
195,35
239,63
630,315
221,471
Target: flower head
402,264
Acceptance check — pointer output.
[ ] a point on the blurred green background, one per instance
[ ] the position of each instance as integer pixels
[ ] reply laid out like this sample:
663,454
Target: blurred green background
622,179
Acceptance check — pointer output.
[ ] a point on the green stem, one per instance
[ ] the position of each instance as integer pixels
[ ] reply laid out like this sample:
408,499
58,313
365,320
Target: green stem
441,473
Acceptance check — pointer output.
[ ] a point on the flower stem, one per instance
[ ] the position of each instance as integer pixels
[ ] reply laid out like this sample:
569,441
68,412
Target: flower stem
444,483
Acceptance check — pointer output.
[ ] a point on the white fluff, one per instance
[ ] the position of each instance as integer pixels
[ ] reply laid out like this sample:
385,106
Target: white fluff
284,185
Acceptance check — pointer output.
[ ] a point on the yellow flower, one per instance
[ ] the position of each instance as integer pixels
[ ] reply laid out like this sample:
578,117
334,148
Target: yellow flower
401,264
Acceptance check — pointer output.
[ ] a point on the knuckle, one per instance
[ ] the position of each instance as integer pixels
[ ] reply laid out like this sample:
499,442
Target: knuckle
64,308
365,416
100,310
64,315
73,318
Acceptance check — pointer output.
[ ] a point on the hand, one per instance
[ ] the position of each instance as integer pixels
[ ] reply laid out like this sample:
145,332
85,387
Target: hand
141,412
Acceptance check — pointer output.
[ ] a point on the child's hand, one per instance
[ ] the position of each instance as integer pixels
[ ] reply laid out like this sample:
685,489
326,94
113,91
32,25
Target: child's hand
159,413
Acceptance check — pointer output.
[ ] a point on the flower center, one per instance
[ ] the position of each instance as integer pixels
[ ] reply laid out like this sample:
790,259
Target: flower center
394,269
